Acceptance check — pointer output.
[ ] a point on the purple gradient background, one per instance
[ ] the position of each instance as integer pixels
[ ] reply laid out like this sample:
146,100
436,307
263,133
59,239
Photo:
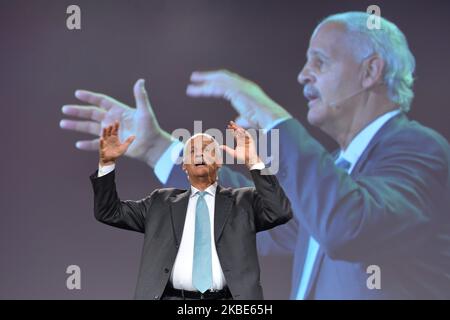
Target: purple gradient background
46,211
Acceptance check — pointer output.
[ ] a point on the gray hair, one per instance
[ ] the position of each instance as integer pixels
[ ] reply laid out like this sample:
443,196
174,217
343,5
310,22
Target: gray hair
214,141
390,44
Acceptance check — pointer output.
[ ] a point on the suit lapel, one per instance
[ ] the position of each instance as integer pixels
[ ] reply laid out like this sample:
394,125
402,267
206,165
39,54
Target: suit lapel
222,208
398,119
178,209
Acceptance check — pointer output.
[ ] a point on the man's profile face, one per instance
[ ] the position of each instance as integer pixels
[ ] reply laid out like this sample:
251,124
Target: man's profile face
201,159
330,75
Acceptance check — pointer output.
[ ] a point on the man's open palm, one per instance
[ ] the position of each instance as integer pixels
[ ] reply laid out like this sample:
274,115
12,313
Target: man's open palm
110,146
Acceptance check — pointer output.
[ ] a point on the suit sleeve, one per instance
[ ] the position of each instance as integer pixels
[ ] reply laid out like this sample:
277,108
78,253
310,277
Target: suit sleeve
271,207
390,208
109,209
279,241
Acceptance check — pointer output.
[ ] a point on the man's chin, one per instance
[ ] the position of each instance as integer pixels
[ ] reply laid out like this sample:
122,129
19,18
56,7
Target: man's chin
201,171
315,117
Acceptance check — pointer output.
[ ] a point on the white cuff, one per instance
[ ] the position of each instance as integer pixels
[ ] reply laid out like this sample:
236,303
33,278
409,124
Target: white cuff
258,166
275,123
105,169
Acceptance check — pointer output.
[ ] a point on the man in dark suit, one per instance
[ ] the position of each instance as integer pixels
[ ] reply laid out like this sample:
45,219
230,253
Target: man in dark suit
371,220
199,243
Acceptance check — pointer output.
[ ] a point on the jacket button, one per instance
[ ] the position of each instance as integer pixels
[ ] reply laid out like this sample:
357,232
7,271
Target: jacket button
156,297
166,270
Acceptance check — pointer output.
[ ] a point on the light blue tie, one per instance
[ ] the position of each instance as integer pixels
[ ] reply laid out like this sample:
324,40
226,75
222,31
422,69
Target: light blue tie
202,266
313,247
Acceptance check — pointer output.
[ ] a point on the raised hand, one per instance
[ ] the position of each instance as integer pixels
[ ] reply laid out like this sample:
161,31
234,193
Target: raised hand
110,146
255,108
102,111
245,151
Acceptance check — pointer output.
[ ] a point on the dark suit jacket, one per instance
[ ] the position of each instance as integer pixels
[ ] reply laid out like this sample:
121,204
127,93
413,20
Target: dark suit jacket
239,215
393,211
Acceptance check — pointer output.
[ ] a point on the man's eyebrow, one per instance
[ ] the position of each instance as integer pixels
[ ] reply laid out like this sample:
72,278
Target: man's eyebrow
317,52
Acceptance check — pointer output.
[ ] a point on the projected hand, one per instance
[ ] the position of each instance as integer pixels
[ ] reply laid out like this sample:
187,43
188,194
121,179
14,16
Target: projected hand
254,107
151,141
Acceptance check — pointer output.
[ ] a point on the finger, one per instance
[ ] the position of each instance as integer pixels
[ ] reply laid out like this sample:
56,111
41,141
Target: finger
98,99
109,130
208,89
115,128
81,126
232,128
141,96
244,123
234,125
240,130
129,141
237,130
228,150
124,146
86,112
88,145
104,133
200,76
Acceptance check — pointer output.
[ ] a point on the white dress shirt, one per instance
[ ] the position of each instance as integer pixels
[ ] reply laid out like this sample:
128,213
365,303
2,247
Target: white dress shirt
181,276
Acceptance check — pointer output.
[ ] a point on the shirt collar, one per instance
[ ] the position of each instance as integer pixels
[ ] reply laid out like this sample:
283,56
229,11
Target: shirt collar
363,138
210,190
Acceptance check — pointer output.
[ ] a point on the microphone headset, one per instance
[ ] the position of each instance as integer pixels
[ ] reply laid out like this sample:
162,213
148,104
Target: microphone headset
335,104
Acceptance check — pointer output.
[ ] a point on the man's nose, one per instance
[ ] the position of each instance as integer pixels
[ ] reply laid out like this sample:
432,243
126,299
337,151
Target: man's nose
305,76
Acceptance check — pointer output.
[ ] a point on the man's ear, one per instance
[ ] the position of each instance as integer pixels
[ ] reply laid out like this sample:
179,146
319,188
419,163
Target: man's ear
373,71
183,166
